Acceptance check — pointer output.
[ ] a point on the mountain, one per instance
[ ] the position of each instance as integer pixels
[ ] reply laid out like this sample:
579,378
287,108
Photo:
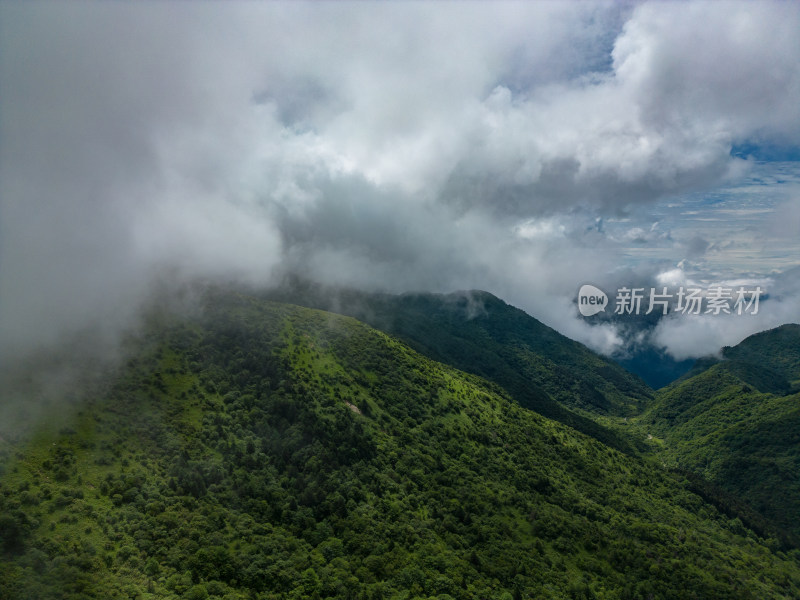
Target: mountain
776,350
262,450
479,333
736,422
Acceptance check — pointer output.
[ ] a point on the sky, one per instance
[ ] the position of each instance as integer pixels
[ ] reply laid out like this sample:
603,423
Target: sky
519,148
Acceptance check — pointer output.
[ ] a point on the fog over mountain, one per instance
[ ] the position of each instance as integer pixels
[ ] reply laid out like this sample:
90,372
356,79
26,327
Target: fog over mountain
520,148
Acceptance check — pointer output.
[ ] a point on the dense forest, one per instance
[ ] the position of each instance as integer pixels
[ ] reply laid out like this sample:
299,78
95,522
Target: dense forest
254,449
736,422
479,333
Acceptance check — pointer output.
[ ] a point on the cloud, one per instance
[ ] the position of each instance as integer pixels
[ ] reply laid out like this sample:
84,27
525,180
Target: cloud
689,336
785,222
392,146
696,246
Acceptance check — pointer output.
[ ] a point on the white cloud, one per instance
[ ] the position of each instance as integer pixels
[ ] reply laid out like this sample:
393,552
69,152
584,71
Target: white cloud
692,336
400,146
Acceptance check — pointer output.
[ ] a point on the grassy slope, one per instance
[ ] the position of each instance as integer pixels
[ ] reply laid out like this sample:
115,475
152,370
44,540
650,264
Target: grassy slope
270,451
737,423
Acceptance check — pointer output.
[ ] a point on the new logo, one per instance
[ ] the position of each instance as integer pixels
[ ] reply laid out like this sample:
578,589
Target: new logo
591,300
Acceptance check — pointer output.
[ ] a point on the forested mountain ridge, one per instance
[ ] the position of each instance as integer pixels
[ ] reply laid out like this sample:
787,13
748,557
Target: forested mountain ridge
262,450
477,332
777,350
736,422
733,421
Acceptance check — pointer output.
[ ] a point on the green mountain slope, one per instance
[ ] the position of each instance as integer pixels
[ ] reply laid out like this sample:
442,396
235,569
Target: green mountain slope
776,350
262,450
737,423
479,333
